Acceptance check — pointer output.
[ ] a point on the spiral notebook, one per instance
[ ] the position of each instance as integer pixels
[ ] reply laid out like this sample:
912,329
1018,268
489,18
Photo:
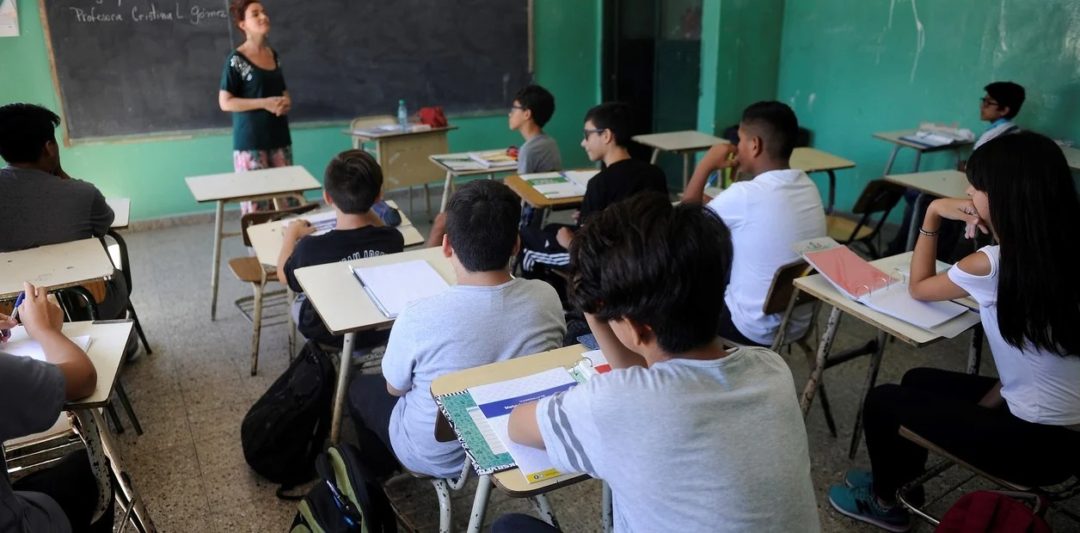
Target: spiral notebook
392,287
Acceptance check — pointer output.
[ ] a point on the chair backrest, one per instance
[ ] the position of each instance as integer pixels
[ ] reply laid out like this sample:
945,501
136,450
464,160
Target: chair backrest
258,217
879,196
783,285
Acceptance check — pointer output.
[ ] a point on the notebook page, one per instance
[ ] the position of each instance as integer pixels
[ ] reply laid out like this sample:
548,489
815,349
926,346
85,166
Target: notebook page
897,303
393,286
22,345
323,222
581,177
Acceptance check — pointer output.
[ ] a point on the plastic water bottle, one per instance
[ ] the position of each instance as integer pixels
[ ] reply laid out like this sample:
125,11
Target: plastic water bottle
402,115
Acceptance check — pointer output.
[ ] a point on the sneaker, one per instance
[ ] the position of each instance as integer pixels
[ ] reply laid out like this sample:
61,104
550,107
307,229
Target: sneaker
861,504
858,477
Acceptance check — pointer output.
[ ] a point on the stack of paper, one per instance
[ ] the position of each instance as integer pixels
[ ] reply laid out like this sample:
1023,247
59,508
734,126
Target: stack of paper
494,159
463,162
392,287
323,222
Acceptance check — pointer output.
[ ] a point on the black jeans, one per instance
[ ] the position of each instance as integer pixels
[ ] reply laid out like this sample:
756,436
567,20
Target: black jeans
71,483
727,330
370,406
521,523
942,407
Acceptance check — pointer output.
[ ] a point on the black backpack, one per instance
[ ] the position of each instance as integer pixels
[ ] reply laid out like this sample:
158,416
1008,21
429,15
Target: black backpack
346,499
284,431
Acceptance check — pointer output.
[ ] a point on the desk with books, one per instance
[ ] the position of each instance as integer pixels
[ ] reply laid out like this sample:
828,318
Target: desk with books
403,155
464,164
938,183
819,287
897,139
551,190
346,307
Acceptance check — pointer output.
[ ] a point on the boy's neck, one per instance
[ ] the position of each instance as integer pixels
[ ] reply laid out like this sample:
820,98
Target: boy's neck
615,154
709,352
347,221
488,278
529,130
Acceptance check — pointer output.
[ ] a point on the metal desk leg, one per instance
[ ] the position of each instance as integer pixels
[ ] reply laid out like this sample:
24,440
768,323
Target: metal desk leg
446,191
918,159
871,379
892,159
975,350
819,363
913,227
129,498
218,221
655,155
479,504
543,508
685,169
607,510
87,430
344,368
832,192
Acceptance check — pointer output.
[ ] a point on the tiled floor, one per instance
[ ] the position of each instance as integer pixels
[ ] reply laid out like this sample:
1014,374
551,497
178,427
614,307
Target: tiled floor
193,392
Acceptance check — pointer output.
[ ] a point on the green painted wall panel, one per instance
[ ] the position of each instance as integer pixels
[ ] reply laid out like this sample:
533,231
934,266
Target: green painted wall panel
151,172
851,68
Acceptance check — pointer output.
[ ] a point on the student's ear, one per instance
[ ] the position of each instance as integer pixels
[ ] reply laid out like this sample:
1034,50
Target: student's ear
757,146
378,197
1005,111
326,198
607,136
517,247
447,250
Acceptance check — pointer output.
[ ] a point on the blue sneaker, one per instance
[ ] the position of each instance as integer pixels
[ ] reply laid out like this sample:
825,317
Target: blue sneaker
861,504
858,477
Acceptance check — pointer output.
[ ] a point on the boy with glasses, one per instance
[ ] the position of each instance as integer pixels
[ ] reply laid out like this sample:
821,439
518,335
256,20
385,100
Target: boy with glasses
1000,105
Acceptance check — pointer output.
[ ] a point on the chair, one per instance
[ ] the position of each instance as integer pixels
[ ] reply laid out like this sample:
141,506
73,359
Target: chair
249,270
1069,483
879,196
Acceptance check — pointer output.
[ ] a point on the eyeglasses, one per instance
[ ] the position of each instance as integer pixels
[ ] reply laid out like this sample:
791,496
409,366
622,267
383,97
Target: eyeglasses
988,102
586,133
516,107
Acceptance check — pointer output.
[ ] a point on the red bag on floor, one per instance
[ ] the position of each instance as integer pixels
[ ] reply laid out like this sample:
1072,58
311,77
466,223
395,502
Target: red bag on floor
988,511
433,116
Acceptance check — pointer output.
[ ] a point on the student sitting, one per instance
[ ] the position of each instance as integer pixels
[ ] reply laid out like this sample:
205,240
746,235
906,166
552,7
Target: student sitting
487,316
62,497
41,203
352,183
772,208
608,128
689,436
1024,426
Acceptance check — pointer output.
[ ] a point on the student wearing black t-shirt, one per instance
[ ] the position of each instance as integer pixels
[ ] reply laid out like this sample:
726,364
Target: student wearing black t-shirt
606,136
352,184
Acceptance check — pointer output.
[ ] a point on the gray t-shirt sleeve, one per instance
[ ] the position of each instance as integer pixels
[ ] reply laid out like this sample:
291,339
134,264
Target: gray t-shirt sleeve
568,425
32,393
400,357
101,215
539,154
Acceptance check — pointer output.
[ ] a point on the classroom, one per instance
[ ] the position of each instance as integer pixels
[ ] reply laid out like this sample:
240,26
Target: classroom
613,265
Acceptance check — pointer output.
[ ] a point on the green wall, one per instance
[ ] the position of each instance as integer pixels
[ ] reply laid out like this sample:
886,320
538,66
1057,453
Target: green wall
567,33
851,68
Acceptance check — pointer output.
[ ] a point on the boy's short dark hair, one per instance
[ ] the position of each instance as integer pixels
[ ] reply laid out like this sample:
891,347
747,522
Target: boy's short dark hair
353,181
661,266
616,117
539,101
481,224
24,130
1007,94
776,124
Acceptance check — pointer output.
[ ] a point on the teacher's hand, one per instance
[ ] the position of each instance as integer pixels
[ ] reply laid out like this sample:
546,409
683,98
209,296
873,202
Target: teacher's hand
273,104
286,104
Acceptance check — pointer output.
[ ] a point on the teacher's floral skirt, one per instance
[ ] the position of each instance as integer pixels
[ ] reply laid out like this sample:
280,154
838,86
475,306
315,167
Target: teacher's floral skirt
244,160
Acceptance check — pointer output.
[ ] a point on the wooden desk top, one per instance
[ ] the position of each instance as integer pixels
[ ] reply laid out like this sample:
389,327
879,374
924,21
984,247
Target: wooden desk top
534,198
813,160
679,141
1072,155
894,137
511,480
343,304
821,289
54,266
266,238
121,212
940,183
437,160
394,134
251,184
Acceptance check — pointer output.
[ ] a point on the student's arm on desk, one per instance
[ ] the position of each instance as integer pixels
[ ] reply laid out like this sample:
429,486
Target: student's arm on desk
523,427
292,234
718,157
43,319
925,283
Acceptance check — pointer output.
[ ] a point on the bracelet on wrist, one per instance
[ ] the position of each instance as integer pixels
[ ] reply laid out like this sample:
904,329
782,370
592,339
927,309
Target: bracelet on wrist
927,233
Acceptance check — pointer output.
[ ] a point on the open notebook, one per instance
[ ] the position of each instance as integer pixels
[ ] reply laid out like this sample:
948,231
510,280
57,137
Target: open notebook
391,287
565,184
857,279
494,159
22,345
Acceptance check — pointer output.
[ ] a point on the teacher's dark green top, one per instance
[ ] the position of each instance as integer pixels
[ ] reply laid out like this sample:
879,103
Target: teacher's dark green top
258,129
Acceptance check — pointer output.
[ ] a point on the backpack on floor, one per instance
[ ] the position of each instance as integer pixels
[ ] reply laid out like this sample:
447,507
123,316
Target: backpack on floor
284,431
993,512
345,499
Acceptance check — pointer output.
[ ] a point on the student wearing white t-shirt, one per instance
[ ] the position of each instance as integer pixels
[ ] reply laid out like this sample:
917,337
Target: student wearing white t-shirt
1024,426
689,437
768,210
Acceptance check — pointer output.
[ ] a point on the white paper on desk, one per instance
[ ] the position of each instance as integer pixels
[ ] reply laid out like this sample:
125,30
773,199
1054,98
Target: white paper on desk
22,345
496,400
554,185
323,222
581,177
393,286
896,302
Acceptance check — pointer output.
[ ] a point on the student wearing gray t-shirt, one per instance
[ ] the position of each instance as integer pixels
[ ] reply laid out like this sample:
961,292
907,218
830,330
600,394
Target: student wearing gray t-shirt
487,316
689,436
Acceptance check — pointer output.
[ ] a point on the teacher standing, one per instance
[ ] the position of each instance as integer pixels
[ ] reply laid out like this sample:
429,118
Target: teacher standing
253,90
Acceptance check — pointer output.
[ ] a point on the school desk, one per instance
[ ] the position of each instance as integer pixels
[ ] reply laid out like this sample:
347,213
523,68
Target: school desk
810,160
937,183
346,308
894,137
1072,155
243,186
510,481
106,353
820,288
55,266
452,174
680,142
121,208
266,238
403,156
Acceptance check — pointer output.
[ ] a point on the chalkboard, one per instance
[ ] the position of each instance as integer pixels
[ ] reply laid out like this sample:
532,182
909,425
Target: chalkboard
134,67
